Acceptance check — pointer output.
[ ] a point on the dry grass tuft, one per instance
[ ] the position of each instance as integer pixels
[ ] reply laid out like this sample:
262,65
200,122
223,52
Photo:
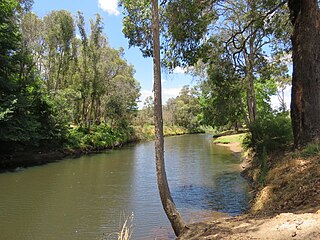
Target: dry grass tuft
126,227
126,224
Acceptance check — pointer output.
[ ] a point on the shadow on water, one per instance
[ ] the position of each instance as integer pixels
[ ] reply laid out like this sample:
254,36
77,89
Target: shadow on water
228,194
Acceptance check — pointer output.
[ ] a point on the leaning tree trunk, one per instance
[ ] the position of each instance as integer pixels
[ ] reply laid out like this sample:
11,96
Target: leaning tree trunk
173,215
305,98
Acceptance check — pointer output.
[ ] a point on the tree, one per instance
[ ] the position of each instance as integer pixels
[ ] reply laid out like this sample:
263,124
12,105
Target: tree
27,119
184,110
305,98
221,97
144,32
32,30
173,215
83,67
59,32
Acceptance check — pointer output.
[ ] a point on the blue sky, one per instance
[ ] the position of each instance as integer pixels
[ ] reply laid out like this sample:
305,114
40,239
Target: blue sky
111,14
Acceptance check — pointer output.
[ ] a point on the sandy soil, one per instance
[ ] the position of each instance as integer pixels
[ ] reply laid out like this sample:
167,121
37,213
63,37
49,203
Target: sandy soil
234,147
281,227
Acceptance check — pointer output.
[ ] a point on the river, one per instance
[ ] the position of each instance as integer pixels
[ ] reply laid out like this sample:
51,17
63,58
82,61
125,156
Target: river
85,198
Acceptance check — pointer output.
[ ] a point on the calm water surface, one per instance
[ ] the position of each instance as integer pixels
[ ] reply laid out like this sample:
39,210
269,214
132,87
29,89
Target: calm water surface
84,198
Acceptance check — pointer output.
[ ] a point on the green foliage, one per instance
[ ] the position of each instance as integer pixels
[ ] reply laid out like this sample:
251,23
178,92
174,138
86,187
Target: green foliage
311,149
58,32
9,45
88,81
221,99
100,136
49,79
137,23
272,132
27,119
187,23
184,110
264,88
32,122
146,132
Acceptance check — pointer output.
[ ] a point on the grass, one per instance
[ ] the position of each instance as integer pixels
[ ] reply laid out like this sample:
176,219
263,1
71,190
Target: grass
291,184
127,228
311,149
230,138
146,132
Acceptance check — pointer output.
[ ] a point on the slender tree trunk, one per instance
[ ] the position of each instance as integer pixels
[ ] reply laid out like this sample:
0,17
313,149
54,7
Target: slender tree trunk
83,114
250,91
56,85
305,96
251,78
98,111
169,207
90,119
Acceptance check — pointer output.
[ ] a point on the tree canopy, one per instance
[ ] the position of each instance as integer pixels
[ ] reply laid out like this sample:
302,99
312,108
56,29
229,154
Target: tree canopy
253,34
50,79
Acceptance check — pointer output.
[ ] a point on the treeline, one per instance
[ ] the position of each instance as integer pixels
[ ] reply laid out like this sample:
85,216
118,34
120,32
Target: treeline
183,111
89,81
58,82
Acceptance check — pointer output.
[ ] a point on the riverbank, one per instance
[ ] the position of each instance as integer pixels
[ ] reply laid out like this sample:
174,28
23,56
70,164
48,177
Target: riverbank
287,206
83,143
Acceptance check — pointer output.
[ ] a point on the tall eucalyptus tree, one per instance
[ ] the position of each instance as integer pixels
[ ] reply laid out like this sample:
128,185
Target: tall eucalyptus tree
59,31
146,35
176,221
305,99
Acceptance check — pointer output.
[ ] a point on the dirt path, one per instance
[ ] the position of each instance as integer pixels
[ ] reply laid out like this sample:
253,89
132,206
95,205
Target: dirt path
281,227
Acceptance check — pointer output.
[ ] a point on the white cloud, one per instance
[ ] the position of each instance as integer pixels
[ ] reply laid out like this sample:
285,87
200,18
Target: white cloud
166,94
179,70
109,6
169,93
144,95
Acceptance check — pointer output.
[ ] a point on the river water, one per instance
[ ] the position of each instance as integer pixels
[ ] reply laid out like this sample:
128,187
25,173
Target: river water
86,198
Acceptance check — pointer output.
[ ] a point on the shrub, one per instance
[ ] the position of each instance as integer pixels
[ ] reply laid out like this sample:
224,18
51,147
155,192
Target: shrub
272,133
98,137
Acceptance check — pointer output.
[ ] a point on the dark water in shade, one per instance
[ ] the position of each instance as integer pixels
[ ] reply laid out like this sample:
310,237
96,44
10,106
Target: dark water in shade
84,198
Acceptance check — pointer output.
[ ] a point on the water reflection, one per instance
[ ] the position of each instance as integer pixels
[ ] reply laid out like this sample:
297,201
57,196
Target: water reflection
84,198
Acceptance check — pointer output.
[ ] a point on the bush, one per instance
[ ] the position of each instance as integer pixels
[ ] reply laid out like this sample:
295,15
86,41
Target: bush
272,133
98,137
